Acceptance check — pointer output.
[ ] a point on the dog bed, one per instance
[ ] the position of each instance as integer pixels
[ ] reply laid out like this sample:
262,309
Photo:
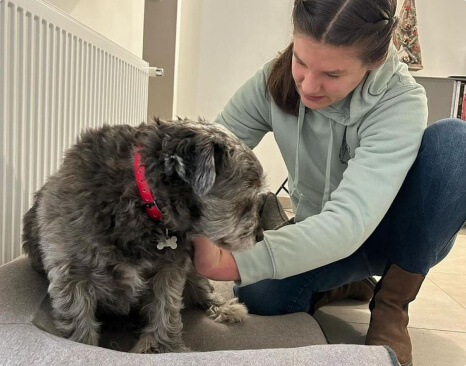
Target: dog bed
27,335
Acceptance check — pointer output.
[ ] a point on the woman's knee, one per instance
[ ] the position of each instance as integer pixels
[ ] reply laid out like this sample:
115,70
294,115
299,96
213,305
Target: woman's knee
444,144
448,133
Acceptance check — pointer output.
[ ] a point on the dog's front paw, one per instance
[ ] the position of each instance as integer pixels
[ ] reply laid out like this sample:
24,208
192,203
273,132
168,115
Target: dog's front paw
229,312
147,343
87,334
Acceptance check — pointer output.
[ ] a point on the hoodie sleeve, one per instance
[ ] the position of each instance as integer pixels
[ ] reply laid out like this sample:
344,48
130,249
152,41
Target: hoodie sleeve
390,137
247,114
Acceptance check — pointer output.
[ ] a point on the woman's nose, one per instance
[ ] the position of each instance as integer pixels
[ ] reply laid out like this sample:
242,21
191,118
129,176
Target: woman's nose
311,84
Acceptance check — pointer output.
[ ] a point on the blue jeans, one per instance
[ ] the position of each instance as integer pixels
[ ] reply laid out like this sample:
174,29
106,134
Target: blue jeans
417,232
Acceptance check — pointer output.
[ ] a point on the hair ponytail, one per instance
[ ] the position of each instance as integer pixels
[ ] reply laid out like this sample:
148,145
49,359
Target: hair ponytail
280,83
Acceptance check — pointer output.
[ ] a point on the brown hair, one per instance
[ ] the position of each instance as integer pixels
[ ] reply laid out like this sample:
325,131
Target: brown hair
367,24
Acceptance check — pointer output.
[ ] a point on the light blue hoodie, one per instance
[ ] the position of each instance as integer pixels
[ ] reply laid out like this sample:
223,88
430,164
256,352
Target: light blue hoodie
345,164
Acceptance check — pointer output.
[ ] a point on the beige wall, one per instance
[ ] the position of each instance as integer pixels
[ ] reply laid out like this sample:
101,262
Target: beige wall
121,21
160,22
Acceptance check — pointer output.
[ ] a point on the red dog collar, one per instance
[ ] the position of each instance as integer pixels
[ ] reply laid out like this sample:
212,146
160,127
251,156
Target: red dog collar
144,190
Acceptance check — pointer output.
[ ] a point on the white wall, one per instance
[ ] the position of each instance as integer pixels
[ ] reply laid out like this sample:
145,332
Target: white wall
223,42
187,59
121,21
441,34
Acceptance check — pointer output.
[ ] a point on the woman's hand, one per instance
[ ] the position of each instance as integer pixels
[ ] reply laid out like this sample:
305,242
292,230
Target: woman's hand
213,262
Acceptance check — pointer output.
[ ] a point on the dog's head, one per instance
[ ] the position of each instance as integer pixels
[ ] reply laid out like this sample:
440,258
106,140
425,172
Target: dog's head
212,180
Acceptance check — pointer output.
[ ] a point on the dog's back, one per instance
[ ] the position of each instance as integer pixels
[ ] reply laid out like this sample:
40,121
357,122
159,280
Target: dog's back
31,235
94,153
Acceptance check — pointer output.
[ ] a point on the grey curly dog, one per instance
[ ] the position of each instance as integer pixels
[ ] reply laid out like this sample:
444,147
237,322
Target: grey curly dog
103,248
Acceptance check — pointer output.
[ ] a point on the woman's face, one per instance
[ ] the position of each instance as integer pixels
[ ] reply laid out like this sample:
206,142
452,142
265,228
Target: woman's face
324,74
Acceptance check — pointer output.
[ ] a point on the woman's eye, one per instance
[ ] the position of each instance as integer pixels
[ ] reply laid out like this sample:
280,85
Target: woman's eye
299,62
333,76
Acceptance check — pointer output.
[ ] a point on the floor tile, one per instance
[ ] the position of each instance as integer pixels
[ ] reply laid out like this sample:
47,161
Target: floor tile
455,260
438,348
454,285
435,309
430,347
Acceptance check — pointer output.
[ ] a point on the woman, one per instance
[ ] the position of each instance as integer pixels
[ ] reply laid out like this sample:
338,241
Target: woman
374,192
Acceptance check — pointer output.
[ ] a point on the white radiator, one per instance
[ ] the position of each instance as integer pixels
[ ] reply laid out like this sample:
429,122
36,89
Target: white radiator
57,77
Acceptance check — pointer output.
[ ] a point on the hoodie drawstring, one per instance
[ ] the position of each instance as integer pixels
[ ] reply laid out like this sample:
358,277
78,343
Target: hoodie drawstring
344,155
326,196
302,112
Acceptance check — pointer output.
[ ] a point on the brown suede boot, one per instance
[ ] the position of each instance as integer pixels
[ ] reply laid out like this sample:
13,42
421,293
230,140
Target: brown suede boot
360,290
389,312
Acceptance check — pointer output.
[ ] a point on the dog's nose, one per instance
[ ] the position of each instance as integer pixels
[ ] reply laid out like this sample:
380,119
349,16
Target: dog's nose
259,232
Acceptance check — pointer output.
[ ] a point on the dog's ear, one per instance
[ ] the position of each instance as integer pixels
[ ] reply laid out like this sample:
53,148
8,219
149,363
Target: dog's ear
197,165
205,169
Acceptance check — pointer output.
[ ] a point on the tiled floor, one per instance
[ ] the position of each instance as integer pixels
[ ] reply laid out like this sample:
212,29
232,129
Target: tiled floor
437,318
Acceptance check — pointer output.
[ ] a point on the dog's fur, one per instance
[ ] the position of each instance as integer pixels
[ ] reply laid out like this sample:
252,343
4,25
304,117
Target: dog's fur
88,231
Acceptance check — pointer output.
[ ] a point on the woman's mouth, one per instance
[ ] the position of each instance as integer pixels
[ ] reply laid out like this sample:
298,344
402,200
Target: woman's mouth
312,98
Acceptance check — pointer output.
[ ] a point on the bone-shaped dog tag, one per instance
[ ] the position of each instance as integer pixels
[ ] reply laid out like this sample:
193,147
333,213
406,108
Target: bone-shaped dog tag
169,242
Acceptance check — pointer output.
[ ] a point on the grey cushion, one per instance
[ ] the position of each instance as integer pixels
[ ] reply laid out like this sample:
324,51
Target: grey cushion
24,344
28,336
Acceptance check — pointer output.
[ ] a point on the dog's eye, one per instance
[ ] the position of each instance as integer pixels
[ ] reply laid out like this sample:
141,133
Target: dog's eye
245,234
